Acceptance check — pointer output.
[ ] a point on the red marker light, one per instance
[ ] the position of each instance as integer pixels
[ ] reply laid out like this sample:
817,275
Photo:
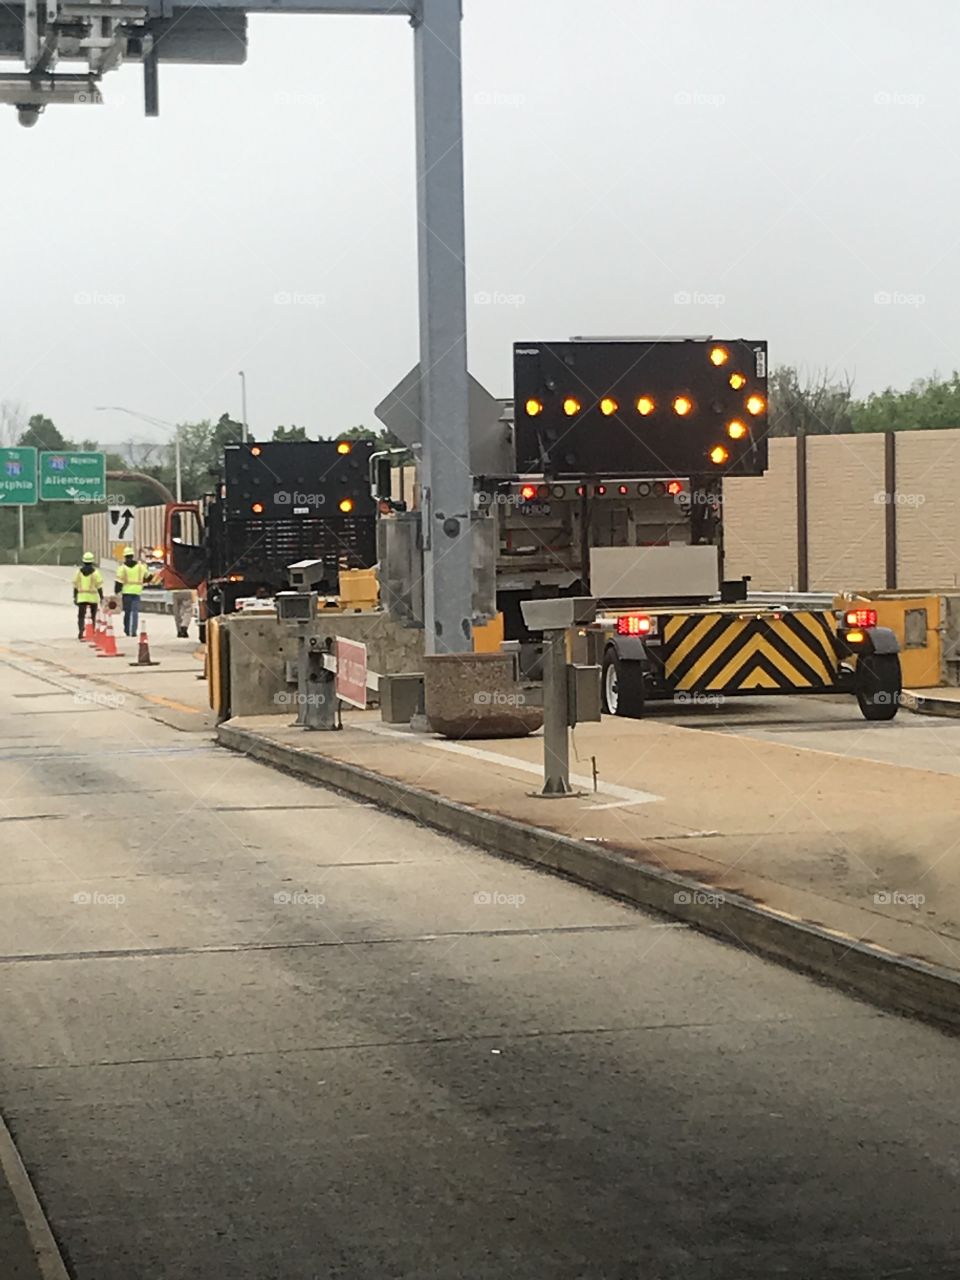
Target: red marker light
634,624
674,487
600,490
581,490
861,618
528,492
623,490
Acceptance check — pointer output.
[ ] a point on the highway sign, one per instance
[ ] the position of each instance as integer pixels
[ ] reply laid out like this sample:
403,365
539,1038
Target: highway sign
351,683
73,477
18,477
401,412
122,522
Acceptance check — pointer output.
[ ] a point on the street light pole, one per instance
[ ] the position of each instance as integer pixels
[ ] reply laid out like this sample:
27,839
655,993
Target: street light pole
156,422
243,394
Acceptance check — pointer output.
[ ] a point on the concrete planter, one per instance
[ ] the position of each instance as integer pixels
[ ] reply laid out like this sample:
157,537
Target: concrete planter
474,695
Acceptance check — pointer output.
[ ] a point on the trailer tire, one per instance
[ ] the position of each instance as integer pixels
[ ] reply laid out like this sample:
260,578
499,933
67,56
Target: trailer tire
622,684
878,685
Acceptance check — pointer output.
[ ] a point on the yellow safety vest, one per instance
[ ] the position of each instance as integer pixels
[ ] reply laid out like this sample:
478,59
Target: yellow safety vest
87,586
131,578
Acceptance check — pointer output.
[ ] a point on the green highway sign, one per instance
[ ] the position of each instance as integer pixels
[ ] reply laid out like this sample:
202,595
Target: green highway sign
73,477
18,477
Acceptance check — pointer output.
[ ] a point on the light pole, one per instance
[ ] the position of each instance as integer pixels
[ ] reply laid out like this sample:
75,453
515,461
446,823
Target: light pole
156,422
243,402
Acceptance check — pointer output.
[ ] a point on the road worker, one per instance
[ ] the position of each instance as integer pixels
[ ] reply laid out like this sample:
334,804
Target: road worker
87,591
132,577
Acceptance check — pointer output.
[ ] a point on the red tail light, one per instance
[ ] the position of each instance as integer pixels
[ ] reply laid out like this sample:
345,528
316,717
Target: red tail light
634,624
528,492
861,618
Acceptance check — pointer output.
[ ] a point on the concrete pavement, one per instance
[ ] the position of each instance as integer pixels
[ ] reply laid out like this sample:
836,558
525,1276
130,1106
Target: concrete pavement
252,1028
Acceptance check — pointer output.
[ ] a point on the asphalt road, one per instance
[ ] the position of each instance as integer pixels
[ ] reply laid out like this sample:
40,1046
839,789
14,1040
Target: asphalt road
832,724
252,1029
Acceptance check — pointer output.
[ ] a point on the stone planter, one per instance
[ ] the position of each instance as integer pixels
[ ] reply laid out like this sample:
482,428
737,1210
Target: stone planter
474,695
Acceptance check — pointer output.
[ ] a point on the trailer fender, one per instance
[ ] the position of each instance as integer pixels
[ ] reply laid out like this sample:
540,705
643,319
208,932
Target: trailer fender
884,640
628,648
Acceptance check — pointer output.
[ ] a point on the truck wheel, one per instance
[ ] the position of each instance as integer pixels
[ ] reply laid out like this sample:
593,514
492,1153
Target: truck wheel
878,684
622,687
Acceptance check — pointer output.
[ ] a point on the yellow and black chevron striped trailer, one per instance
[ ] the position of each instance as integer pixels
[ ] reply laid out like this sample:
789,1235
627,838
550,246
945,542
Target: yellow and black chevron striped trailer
714,652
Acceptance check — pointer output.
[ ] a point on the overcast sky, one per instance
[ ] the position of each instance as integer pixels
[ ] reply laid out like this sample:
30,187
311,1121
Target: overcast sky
780,169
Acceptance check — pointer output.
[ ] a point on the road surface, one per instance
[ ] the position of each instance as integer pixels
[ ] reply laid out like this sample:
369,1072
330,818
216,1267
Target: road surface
832,723
253,1029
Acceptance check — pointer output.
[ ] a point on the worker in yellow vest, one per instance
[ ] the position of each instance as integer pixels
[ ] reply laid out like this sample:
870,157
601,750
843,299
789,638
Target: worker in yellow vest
87,591
132,577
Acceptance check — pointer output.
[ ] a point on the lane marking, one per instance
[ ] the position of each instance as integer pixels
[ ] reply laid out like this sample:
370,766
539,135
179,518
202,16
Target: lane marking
626,794
44,1246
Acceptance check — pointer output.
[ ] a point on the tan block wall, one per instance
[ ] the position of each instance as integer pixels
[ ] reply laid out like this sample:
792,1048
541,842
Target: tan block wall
845,512
928,509
760,523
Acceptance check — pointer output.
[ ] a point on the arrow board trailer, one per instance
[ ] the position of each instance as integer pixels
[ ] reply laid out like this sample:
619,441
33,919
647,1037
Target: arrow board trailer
622,448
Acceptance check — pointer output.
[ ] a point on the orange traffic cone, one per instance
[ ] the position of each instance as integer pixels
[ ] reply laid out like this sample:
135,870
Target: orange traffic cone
98,626
143,652
108,648
88,632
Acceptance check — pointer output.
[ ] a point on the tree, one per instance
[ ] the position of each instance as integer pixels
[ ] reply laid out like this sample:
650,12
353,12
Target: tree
384,438
42,434
816,405
930,404
290,433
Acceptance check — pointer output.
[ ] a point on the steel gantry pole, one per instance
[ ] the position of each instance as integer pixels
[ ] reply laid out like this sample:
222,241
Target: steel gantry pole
446,482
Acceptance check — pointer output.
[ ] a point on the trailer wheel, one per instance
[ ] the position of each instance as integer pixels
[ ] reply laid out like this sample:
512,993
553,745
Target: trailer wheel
878,684
622,687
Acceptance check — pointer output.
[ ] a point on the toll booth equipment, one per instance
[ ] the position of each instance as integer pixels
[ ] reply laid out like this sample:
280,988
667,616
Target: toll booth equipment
571,693
654,407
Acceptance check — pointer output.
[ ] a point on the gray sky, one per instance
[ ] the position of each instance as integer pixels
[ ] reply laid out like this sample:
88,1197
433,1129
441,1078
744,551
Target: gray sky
785,165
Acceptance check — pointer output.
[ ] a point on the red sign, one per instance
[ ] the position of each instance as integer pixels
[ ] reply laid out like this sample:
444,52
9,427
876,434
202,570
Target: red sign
351,685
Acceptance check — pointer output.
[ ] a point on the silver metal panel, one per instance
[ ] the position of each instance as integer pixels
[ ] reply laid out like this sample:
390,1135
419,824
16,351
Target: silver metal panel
654,573
491,448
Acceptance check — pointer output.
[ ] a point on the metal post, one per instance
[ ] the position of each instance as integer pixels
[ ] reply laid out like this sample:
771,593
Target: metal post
243,411
556,739
890,515
176,463
447,493
20,527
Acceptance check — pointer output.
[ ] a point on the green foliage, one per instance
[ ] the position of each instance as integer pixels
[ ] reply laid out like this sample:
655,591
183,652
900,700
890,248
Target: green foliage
384,438
290,433
42,434
930,404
